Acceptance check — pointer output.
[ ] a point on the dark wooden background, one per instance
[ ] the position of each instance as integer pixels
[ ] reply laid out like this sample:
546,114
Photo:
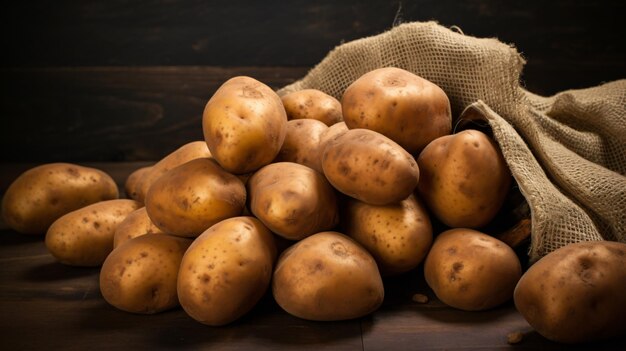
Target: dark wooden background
126,80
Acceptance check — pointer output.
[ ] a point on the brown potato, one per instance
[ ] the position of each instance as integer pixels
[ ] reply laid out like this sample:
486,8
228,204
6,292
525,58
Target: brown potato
244,125
132,181
406,108
42,194
226,270
331,133
312,104
327,277
140,276
193,196
137,223
464,179
470,270
85,237
369,167
302,143
292,200
576,293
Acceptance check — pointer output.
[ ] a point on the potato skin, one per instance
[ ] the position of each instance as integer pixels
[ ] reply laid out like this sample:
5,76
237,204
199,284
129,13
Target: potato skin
44,193
244,125
470,270
85,237
226,270
370,167
576,293
331,133
464,179
132,181
302,143
327,277
292,200
312,104
193,196
140,276
137,223
406,108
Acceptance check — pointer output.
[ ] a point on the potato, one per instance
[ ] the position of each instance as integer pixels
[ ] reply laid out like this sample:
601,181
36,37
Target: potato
327,277
140,276
137,223
84,237
42,194
397,235
190,198
576,293
331,133
408,109
185,153
292,200
226,270
470,270
312,104
244,125
464,179
302,143
132,181
369,167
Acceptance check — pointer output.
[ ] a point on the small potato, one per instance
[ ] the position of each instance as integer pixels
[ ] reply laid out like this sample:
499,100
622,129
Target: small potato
42,194
327,277
85,237
132,181
576,293
302,143
370,167
470,270
244,125
137,223
464,179
331,133
397,235
226,270
312,104
193,196
292,200
140,276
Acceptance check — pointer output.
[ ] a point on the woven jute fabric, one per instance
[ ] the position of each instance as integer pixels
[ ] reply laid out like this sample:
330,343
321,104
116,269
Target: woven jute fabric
567,152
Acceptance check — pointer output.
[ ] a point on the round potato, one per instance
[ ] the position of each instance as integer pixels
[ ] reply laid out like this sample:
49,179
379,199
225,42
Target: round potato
292,200
42,194
576,293
406,108
140,276
369,167
226,270
132,181
302,143
470,270
84,237
397,235
137,223
193,196
244,125
331,133
312,104
327,277
464,179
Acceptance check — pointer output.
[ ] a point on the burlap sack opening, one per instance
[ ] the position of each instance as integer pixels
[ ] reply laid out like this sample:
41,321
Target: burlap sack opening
566,152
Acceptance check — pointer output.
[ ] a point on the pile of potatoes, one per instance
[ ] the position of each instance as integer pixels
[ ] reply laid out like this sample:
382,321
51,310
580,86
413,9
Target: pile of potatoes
318,200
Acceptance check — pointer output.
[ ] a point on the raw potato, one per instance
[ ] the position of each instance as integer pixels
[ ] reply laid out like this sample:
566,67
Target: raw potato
464,179
302,143
312,104
470,270
292,200
576,293
370,167
42,194
331,133
137,223
85,237
132,181
244,125
406,108
327,277
193,196
226,270
397,235
140,276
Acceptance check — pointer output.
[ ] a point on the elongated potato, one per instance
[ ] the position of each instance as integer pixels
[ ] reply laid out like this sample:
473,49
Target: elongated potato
137,223
302,143
312,104
133,180
42,194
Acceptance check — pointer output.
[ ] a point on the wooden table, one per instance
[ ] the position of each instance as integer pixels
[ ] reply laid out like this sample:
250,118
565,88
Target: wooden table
45,305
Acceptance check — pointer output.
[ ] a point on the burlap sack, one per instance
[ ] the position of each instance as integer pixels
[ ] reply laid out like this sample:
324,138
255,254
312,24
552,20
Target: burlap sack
566,152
